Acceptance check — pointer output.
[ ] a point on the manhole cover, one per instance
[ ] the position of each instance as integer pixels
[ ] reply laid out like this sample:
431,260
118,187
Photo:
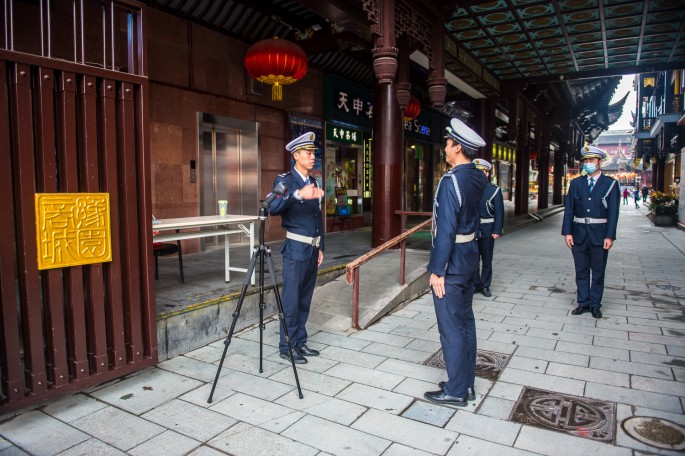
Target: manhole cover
655,432
579,416
488,364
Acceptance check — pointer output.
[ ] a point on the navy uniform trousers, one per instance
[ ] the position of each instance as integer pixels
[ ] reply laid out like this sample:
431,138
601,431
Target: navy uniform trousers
589,258
486,247
457,327
299,280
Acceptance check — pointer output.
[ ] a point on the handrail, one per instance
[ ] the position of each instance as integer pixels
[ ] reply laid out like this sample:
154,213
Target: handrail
352,268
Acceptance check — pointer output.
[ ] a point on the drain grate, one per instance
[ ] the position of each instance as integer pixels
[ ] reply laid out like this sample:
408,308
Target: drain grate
489,364
583,417
655,432
550,289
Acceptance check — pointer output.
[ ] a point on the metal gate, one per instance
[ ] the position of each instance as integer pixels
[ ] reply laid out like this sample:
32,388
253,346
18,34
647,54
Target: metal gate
66,127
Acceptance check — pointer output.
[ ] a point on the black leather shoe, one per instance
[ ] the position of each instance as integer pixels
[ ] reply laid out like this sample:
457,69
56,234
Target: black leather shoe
486,292
470,392
580,310
306,351
299,359
439,397
596,312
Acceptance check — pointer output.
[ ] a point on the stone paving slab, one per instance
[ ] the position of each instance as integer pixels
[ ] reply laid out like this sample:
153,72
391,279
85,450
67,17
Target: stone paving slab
190,420
141,393
118,428
55,436
90,447
258,441
169,443
340,440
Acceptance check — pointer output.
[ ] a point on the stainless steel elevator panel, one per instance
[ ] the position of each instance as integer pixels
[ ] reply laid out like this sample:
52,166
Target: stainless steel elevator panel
229,167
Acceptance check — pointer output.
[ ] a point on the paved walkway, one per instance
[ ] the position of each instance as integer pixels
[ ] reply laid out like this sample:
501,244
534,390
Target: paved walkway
363,395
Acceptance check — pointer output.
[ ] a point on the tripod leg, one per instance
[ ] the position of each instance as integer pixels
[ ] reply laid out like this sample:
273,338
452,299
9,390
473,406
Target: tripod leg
236,314
262,305
281,317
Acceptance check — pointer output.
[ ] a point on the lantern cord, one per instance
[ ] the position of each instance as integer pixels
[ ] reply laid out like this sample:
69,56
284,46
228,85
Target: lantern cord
276,92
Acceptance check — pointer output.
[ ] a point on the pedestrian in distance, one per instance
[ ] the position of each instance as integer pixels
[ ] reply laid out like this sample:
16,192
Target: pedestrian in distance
645,194
300,211
636,197
625,195
589,228
491,225
453,263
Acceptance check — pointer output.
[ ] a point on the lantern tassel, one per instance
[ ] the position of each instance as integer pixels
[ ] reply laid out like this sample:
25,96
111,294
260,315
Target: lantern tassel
276,92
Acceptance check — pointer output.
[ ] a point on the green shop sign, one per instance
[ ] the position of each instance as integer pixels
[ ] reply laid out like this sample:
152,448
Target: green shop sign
343,134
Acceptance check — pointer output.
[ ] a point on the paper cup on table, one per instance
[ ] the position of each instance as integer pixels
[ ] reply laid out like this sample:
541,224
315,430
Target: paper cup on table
223,207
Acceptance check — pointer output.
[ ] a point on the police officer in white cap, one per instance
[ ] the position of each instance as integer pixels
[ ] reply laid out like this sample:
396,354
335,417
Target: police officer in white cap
453,262
491,225
300,211
589,228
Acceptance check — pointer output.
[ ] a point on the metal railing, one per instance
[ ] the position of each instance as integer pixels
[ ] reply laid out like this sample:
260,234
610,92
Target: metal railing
352,269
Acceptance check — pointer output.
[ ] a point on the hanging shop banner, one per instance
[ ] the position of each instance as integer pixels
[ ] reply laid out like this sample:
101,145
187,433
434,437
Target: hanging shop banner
368,168
647,84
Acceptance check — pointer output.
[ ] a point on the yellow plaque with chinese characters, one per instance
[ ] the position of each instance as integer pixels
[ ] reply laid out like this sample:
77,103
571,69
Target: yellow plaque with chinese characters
72,229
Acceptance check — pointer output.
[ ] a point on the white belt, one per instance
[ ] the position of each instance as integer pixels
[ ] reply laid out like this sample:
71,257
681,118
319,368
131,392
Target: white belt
490,220
589,220
461,238
313,241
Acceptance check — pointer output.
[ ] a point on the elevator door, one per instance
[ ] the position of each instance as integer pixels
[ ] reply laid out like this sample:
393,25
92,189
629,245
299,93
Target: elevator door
228,171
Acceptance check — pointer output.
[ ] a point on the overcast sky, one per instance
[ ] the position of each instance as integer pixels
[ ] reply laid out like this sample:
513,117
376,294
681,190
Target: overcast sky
626,85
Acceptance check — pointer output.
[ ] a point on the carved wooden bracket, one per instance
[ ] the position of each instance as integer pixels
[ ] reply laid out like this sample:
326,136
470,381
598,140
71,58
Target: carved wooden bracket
381,14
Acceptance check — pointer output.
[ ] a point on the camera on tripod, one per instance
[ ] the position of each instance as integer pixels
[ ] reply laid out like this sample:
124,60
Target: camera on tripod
261,253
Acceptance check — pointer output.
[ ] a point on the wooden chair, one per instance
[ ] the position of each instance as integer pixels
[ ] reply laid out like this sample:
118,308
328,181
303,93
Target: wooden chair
167,248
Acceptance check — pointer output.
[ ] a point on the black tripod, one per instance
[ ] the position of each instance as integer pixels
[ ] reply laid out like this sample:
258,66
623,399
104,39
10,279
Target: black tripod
261,252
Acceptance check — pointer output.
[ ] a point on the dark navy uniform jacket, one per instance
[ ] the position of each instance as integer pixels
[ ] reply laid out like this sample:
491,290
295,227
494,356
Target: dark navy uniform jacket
492,206
298,216
456,210
601,203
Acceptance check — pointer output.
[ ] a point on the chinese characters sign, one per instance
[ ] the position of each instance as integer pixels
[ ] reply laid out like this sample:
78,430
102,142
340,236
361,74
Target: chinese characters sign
343,134
346,102
72,229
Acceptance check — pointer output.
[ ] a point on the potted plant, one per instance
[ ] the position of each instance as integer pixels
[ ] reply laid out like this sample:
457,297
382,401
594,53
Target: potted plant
663,209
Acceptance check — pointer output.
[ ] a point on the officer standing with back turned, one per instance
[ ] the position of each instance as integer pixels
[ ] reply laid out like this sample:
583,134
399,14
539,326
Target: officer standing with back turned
491,225
453,262
300,211
589,228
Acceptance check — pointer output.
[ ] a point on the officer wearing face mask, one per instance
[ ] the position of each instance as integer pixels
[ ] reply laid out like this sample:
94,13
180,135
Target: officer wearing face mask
589,228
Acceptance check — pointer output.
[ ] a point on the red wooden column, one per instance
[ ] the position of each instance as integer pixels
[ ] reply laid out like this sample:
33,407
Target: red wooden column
387,165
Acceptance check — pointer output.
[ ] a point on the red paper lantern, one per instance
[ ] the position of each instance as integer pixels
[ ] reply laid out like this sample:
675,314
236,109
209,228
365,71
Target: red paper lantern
277,63
413,109
533,155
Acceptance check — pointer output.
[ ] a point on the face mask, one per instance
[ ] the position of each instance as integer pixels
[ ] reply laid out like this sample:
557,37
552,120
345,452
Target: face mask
590,167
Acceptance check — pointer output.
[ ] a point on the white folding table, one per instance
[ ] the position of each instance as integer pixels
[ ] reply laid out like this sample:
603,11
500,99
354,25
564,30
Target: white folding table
214,225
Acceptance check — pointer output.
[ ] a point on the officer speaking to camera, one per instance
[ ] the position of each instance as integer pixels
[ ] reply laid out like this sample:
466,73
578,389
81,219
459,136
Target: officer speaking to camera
300,211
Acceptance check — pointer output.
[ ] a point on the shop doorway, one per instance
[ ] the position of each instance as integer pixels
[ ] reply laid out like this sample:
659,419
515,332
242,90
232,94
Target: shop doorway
228,167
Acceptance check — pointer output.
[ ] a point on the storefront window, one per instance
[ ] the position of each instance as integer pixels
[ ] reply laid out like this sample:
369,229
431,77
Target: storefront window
345,174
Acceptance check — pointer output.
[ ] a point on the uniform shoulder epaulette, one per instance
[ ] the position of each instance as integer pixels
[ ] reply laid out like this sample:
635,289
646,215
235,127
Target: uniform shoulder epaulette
284,174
